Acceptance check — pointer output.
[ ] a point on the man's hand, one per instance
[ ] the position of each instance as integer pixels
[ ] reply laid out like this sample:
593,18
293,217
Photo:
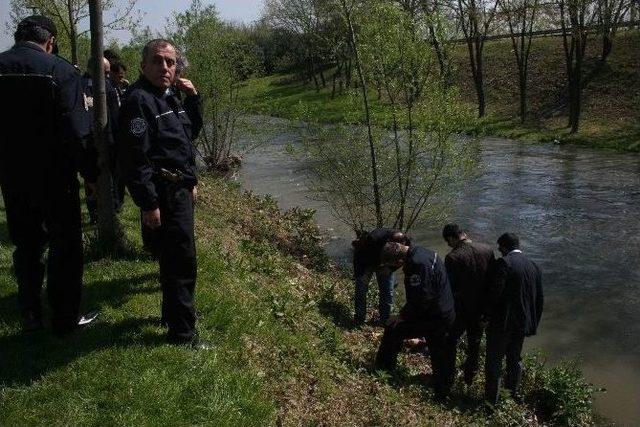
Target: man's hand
194,194
186,86
151,218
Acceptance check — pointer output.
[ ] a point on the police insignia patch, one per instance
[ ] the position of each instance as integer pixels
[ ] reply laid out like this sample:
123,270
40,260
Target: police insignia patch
138,126
414,280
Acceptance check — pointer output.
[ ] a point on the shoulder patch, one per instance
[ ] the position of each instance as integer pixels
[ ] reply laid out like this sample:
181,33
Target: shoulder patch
138,126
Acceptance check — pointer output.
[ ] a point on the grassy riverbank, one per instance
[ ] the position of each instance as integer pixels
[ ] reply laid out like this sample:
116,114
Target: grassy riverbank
278,313
611,99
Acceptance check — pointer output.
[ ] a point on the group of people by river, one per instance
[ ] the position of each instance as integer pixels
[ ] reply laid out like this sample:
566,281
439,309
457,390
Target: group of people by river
152,135
471,292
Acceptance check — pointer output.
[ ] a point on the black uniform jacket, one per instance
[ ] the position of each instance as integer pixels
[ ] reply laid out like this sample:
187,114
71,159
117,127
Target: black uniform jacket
155,132
468,266
516,295
113,105
427,289
45,122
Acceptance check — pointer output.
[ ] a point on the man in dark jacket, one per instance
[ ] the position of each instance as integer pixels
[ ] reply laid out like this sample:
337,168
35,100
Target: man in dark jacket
429,312
113,109
156,156
516,300
41,151
468,265
366,262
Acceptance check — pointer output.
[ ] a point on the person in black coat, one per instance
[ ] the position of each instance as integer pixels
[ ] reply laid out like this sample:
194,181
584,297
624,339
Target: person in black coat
366,261
42,149
157,160
468,266
515,309
113,108
429,312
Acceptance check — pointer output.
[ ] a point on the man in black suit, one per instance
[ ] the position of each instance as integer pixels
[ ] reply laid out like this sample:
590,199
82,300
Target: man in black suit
467,266
516,300
429,312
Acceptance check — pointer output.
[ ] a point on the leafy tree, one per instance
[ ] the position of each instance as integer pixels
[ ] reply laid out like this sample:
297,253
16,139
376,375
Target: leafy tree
71,18
221,57
520,16
417,157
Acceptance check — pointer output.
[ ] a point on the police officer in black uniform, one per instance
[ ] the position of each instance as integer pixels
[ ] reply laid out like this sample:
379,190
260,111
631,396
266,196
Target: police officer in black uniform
429,312
113,109
156,156
41,151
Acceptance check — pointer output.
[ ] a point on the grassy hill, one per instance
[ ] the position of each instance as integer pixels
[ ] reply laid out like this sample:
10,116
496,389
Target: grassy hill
278,314
611,108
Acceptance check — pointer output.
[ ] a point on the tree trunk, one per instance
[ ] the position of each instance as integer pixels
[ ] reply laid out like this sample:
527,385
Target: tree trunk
365,98
575,101
73,34
108,228
523,95
479,80
607,46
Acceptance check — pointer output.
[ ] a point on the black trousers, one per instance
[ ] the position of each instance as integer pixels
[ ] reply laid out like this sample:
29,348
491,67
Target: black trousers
501,344
34,223
178,267
468,322
441,351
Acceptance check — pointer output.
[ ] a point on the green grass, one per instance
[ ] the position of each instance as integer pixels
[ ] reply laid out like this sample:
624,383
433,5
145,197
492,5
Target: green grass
278,314
611,99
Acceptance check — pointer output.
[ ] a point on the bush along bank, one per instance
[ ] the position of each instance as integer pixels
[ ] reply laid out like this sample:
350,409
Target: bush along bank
279,314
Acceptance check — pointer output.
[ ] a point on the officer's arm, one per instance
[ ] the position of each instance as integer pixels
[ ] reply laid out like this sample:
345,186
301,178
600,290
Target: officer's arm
497,282
452,273
134,140
76,121
194,109
113,110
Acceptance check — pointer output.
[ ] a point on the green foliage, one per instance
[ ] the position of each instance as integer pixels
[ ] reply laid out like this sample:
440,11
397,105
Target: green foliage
419,159
221,57
560,394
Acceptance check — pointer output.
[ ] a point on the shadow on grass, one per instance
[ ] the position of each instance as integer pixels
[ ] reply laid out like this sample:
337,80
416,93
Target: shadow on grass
96,295
27,357
339,314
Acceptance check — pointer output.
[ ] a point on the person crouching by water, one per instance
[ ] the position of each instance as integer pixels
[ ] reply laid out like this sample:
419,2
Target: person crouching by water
366,262
429,312
516,300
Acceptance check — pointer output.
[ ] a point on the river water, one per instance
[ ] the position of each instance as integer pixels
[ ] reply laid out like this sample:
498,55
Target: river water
577,212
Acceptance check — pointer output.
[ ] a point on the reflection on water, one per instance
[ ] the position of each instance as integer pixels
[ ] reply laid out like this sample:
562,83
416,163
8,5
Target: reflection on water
576,211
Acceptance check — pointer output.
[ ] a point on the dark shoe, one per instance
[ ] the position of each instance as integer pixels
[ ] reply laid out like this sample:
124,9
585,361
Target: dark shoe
194,342
31,322
199,344
64,329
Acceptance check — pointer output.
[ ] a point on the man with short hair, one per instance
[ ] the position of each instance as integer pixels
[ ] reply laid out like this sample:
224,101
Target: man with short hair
429,312
113,109
366,262
156,156
468,265
516,300
41,151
